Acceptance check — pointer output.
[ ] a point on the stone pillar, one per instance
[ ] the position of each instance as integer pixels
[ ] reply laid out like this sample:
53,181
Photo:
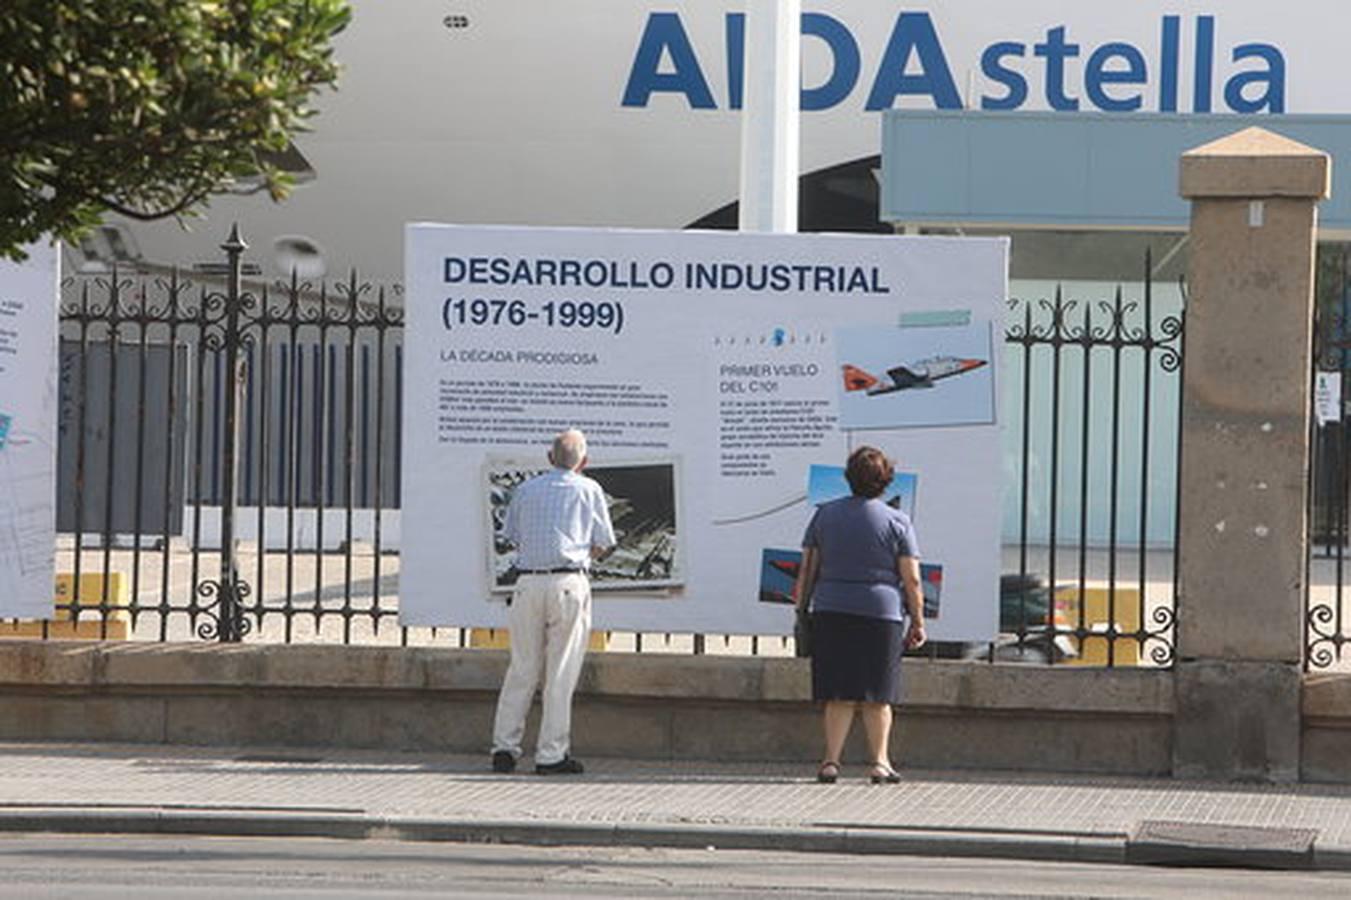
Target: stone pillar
1243,530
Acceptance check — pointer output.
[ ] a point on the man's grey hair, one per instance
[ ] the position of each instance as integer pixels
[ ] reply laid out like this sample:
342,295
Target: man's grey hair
569,449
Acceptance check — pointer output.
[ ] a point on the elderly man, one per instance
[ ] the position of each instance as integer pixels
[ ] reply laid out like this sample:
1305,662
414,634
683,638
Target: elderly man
558,522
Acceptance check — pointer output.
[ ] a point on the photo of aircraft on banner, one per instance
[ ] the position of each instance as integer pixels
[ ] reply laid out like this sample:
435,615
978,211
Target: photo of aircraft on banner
920,374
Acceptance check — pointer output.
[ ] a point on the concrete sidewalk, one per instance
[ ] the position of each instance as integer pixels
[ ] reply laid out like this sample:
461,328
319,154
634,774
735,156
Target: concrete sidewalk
140,789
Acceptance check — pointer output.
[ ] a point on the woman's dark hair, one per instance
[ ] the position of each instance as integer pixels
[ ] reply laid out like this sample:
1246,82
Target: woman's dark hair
868,472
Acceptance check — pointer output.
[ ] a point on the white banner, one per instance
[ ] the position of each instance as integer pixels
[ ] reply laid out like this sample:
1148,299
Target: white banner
721,379
28,304
1327,396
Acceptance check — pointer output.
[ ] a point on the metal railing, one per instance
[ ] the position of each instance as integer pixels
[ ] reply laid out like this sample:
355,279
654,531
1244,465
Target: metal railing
1103,425
1327,620
230,469
270,450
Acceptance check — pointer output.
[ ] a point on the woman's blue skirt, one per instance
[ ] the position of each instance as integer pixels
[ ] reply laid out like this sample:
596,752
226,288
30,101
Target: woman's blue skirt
856,658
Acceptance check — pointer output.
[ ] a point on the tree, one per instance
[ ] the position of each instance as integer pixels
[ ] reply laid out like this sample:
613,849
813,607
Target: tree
147,107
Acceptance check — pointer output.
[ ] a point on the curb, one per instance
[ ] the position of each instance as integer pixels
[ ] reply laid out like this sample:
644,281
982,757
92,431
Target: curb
228,822
746,837
359,826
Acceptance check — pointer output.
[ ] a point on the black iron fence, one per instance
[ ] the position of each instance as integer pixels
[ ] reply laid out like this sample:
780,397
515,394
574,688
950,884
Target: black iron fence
1327,620
230,468
1096,420
198,412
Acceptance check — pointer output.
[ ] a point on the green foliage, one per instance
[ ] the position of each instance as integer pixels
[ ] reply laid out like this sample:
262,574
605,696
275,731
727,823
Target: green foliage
146,107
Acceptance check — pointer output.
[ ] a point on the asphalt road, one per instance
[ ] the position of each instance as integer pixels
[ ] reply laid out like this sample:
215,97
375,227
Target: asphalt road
152,868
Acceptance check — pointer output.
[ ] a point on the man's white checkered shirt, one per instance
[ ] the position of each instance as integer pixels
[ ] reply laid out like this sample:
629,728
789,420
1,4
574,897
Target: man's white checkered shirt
554,520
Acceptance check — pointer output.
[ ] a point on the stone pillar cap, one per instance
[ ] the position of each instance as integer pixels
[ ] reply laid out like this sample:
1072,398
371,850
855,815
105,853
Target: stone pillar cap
1255,163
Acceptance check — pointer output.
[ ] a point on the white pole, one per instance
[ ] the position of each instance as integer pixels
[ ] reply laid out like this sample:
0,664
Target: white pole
770,131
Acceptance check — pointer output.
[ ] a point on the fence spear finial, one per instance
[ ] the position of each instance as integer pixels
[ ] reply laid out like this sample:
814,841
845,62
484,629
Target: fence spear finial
235,242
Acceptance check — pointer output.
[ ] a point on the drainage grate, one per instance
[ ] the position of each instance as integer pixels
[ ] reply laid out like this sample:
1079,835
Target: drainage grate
1238,846
279,758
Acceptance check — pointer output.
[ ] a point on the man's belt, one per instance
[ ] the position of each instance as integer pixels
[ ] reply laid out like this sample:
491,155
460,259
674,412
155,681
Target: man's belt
557,570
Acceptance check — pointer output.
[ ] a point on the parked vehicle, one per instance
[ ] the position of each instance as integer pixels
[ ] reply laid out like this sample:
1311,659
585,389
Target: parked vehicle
1026,615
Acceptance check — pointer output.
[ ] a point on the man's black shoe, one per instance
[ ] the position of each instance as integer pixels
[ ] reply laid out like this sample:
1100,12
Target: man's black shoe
503,762
565,766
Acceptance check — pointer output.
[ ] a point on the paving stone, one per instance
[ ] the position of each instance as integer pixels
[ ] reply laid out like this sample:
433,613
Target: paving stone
624,797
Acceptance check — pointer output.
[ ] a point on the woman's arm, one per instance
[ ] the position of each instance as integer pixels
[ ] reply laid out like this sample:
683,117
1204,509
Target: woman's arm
908,568
806,577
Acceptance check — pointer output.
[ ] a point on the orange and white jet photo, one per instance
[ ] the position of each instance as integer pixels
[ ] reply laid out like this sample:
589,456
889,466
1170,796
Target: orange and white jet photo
914,377
919,374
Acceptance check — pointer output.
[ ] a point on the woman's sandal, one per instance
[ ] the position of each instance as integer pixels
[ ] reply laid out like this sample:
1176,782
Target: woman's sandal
829,772
883,773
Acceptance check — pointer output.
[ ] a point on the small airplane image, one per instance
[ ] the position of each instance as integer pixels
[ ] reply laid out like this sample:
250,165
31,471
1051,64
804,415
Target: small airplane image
773,587
920,374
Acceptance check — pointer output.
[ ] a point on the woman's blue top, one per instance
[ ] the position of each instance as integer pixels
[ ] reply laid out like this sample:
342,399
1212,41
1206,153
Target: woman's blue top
858,542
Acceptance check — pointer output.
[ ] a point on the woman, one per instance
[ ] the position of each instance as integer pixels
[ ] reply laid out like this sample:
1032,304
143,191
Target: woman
859,581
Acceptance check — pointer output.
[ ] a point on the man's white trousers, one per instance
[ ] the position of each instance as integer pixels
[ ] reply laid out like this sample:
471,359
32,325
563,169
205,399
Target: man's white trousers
549,620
